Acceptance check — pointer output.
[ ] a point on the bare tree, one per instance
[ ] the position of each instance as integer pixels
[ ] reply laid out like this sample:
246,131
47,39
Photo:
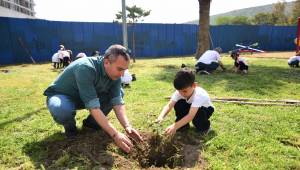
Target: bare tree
203,31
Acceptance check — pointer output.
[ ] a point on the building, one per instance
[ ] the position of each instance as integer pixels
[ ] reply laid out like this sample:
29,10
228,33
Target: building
17,8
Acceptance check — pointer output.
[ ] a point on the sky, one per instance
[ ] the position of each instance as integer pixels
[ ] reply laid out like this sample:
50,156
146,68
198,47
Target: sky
162,11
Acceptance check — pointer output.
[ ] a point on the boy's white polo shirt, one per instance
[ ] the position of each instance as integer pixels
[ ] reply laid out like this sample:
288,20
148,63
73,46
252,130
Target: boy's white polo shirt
209,56
241,59
294,58
55,58
126,78
199,98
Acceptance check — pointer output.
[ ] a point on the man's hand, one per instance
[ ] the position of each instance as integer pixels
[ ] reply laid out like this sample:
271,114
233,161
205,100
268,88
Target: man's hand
171,130
122,141
158,120
134,134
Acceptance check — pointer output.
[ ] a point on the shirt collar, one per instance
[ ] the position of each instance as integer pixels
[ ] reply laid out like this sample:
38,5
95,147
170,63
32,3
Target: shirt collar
102,69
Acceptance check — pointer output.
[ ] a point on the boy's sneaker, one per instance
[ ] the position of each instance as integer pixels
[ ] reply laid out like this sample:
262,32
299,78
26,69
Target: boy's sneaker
204,72
70,131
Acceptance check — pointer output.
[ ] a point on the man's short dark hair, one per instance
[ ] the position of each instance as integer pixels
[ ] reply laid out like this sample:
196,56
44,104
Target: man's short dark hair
114,51
184,78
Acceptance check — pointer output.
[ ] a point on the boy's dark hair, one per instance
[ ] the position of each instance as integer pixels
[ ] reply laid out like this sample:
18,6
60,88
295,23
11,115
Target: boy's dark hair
184,78
234,54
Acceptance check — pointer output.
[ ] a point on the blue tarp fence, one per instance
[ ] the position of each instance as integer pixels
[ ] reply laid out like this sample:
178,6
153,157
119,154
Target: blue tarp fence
21,38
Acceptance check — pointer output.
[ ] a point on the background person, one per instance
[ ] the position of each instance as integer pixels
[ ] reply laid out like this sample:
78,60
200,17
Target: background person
294,61
55,60
240,63
209,61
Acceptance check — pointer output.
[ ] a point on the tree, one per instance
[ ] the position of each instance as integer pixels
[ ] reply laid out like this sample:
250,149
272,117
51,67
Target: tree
223,20
295,13
134,15
240,20
236,20
203,29
263,19
278,13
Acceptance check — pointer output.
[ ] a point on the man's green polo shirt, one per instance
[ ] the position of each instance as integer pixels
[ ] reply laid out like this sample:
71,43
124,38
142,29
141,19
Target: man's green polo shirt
85,81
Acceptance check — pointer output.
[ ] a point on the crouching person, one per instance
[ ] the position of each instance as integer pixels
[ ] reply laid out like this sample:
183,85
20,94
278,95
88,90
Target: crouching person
190,102
127,78
209,61
294,61
93,83
240,63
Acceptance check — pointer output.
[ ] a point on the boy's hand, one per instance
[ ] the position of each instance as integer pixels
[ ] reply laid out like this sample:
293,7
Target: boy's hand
134,134
171,130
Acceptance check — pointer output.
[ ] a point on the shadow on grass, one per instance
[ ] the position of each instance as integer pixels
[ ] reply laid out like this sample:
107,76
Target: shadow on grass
56,70
87,150
23,117
260,79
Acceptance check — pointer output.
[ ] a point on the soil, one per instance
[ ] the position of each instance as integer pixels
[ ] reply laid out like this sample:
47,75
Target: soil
96,150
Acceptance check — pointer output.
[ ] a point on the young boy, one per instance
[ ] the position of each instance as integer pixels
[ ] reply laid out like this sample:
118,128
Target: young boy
190,102
294,61
240,64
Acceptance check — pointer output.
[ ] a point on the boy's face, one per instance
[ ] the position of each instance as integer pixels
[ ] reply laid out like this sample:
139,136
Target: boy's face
188,91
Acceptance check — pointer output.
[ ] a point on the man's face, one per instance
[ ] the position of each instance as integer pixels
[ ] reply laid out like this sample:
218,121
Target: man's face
116,68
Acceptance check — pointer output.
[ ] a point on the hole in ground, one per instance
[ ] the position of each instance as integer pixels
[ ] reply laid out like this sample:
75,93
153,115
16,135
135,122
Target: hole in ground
159,151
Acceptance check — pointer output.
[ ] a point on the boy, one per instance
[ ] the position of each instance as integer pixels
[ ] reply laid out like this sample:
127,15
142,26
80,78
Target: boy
209,61
127,78
190,102
240,64
55,61
294,61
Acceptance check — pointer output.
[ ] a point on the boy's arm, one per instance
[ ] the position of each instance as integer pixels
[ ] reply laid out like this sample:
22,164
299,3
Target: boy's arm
222,65
167,108
186,119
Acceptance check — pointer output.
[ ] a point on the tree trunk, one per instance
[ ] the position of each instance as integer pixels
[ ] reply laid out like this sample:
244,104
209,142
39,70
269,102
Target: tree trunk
203,31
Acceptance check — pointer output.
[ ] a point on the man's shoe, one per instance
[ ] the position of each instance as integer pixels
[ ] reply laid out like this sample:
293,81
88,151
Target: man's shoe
70,131
206,132
89,125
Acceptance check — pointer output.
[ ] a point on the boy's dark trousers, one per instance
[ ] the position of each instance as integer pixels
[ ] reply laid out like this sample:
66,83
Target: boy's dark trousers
200,120
294,63
207,67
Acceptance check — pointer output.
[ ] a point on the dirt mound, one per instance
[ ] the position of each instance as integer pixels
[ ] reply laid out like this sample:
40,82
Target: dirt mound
96,150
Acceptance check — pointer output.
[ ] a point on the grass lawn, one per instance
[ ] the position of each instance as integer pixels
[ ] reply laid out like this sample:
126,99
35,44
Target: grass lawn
243,136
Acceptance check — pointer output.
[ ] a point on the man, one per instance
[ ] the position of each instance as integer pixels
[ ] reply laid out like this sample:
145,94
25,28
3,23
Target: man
209,61
93,83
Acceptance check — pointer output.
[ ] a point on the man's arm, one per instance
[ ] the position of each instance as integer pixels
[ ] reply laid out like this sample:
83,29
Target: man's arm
120,139
121,115
166,109
186,119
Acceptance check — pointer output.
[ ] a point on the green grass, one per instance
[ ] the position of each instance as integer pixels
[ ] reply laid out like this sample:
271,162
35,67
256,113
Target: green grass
245,137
